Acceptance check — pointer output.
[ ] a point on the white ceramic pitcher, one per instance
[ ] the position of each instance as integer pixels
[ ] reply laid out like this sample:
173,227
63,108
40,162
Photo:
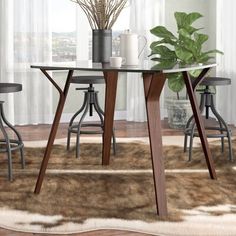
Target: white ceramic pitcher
129,47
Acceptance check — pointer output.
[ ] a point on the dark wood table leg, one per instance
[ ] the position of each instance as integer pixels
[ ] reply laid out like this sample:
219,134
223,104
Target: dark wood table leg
54,128
153,85
111,78
191,87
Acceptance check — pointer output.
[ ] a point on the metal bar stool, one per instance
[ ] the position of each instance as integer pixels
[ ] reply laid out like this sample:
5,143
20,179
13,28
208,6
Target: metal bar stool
90,102
207,102
8,145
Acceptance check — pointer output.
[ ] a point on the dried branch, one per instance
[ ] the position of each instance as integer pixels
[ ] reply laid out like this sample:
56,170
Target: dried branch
101,14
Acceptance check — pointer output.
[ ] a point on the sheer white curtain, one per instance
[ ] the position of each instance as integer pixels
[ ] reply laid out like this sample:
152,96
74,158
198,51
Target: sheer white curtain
25,39
226,38
144,15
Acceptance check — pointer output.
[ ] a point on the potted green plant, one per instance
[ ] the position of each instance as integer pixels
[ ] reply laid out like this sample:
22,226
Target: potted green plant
185,48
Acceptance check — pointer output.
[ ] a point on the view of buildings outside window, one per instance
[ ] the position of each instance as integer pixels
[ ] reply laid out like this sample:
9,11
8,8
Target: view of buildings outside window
63,20
64,31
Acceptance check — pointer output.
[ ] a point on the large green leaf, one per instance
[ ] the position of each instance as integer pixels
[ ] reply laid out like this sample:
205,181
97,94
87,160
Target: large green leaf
180,18
185,20
163,41
204,58
191,46
154,44
164,52
176,82
184,33
200,38
191,29
183,54
162,32
192,17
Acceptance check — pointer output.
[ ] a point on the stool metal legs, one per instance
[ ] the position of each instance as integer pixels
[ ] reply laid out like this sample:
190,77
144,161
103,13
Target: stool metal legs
191,119
73,118
207,100
101,114
11,144
8,150
226,129
90,101
80,125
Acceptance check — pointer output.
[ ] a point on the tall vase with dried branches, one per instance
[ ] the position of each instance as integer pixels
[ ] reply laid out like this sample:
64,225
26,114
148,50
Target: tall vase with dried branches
101,14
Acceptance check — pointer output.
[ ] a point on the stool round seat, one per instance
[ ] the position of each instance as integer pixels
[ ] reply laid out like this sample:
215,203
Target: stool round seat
87,80
10,87
215,81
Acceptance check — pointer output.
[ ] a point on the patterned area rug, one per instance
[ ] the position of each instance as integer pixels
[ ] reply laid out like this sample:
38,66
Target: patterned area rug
80,195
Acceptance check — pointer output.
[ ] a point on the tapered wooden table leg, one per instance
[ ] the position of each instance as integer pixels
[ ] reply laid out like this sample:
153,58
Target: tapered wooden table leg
111,78
153,85
191,86
54,128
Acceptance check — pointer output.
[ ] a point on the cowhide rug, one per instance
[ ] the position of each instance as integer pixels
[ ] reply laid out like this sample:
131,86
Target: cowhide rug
80,194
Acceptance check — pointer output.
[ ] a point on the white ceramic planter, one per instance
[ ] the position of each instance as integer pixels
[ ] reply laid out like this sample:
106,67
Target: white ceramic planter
179,111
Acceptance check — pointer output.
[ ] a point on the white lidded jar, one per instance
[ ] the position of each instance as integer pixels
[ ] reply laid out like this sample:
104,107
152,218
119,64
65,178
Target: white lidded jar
129,47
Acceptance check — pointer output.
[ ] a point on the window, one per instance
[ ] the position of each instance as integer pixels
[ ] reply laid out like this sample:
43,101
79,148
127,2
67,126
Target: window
63,31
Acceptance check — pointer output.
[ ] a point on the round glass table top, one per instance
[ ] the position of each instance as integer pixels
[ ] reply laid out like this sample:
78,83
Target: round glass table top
145,66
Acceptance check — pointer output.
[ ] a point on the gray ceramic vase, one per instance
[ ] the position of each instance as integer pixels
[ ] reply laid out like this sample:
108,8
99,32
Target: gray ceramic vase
101,45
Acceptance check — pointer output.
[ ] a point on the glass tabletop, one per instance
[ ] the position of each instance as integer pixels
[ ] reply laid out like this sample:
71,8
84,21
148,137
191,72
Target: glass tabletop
145,66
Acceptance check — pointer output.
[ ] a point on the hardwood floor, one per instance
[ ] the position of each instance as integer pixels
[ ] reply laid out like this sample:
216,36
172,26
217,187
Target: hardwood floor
123,129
